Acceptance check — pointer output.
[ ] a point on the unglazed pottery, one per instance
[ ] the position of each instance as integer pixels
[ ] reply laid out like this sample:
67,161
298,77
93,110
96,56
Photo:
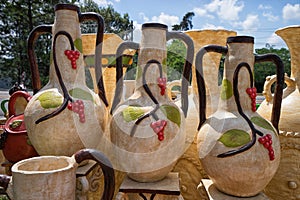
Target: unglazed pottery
65,115
239,150
189,166
54,177
286,182
148,128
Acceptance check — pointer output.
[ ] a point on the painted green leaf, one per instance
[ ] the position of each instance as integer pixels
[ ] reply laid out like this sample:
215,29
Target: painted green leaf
259,121
78,44
50,99
15,123
235,138
172,113
81,94
132,113
226,89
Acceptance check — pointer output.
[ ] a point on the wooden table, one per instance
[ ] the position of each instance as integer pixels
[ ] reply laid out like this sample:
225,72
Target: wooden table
169,186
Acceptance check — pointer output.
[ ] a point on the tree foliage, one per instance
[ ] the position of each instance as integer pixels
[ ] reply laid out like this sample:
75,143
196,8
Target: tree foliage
186,22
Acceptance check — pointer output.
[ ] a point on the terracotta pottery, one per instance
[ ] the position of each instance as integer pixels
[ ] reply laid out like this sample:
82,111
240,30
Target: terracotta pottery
286,182
192,175
65,115
54,177
239,150
15,143
148,128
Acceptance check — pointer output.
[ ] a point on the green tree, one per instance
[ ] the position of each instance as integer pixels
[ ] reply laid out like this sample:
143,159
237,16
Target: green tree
186,23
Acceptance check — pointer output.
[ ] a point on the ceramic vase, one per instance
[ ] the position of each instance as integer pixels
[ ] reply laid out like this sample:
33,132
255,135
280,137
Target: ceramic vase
148,128
286,182
239,150
65,115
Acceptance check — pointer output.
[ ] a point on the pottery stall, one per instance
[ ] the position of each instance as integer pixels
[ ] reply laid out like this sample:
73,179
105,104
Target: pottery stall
238,149
286,182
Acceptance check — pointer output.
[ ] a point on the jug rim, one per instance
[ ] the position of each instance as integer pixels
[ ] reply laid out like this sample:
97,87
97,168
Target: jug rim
70,164
65,6
240,39
154,25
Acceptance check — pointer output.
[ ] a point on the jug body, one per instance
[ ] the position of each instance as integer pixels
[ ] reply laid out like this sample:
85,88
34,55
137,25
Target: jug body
232,141
60,115
286,182
148,127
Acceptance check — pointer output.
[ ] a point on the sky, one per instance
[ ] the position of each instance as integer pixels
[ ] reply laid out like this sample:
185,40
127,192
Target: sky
257,18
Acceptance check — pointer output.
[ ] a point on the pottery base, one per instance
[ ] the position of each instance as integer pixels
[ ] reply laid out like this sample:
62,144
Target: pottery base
212,193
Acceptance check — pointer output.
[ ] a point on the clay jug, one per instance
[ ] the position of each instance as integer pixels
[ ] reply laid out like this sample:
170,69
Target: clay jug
286,182
65,115
148,128
54,177
238,149
15,143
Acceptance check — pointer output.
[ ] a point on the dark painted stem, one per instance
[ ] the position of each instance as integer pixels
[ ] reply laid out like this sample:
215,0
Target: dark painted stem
67,97
279,85
200,79
240,110
106,166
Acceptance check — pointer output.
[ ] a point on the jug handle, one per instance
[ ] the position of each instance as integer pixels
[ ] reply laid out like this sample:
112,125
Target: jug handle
3,108
119,71
290,87
13,98
200,78
98,53
279,84
33,36
106,166
186,76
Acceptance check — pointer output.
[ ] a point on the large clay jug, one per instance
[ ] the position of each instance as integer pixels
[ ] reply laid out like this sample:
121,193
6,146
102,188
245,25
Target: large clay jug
286,182
149,128
54,177
238,149
65,115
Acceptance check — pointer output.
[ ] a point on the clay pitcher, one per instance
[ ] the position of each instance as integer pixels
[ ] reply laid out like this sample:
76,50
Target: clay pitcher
65,115
239,150
148,129
15,143
54,177
286,182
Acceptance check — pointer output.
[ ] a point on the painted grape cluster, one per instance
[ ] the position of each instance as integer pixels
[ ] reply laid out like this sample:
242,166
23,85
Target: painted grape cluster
158,127
267,142
78,107
252,94
162,83
72,55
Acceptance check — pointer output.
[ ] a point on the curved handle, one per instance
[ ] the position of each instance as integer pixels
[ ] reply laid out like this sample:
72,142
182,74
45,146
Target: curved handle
290,83
106,166
12,101
3,108
33,36
200,79
98,53
186,76
119,71
279,84
172,84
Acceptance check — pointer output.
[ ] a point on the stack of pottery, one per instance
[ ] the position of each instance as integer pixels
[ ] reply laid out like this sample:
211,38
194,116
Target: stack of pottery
148,129
65,115
286,182
237,147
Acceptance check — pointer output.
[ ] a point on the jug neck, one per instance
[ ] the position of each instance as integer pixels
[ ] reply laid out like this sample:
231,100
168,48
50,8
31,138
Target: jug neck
290,35
67,19
240,49
152,47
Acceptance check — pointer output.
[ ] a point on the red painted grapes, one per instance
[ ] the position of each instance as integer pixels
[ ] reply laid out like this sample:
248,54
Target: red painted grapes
78,107
266,141
72,55
252,94
158,127
162,82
